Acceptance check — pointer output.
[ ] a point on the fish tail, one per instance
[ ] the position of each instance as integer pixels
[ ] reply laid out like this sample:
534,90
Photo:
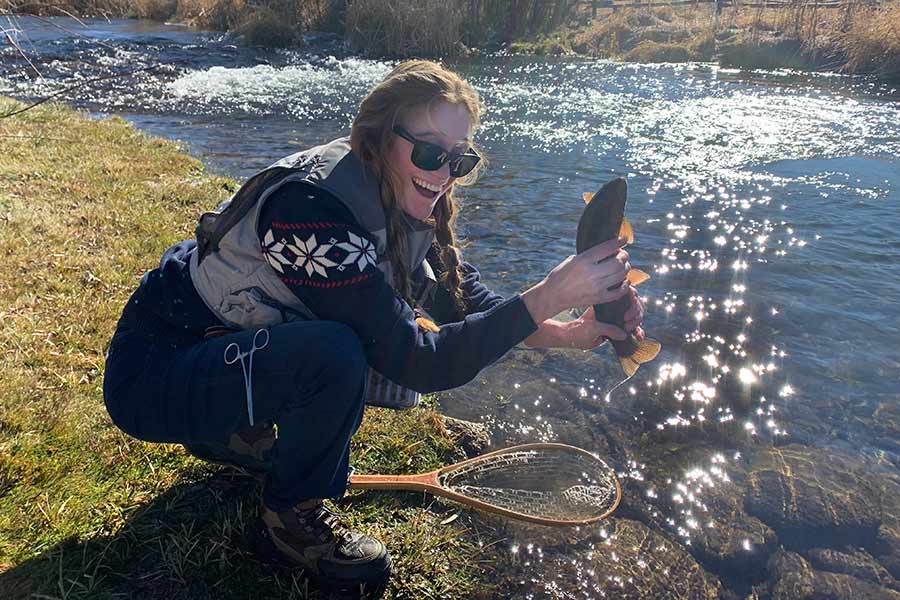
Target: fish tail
646,351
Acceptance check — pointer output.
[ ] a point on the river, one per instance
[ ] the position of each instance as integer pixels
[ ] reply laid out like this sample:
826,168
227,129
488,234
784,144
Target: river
765,207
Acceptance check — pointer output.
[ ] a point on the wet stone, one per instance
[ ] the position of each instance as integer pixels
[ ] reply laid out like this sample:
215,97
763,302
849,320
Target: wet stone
887,542
793,578
472,438
622,559
853,562
809,494
724,538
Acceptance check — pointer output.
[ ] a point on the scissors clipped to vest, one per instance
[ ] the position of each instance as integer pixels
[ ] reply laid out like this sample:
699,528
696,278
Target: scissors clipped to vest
233,354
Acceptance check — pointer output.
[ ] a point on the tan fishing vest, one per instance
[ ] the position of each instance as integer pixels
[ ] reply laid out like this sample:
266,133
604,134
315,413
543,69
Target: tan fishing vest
234,278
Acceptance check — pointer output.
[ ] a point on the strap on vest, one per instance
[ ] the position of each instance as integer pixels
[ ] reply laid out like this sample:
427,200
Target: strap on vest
213,226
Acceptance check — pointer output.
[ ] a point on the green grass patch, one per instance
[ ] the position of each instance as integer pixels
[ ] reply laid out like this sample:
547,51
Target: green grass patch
86,207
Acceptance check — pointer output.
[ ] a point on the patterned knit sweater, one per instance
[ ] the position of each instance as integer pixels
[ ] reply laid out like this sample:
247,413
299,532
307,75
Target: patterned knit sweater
328,260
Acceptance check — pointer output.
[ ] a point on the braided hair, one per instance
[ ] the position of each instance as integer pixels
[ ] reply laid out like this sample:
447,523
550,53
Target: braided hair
412,85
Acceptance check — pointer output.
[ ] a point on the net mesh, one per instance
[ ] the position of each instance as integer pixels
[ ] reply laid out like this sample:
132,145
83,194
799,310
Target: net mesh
559,483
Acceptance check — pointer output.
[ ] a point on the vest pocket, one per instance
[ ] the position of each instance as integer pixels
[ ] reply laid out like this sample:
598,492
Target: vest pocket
250,308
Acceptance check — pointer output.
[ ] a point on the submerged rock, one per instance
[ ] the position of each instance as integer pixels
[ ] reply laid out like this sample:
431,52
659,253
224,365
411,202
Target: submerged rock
813,495
793,578
691,491
852,562
623,559
887,542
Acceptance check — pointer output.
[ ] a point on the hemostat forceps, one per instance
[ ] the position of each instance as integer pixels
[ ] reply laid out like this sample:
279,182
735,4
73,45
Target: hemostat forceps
233,354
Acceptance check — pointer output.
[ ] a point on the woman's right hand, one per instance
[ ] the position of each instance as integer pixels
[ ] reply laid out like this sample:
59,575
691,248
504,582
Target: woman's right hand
581,281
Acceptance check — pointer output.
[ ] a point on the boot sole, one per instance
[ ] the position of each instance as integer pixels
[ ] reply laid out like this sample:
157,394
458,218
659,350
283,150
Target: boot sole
340,589
258,471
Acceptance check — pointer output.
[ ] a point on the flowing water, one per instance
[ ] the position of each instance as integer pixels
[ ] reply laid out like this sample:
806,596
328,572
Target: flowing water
765,207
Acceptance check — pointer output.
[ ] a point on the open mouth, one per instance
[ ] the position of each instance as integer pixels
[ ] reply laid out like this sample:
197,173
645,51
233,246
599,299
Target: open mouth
427,190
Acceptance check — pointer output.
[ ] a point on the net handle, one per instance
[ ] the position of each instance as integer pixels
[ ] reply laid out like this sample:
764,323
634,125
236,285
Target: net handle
429,483
424,482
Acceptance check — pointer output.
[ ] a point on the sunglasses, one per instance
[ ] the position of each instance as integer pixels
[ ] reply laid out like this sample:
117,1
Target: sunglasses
431,157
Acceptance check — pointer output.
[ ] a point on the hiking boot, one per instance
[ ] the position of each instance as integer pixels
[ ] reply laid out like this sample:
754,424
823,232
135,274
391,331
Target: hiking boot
247,449
339,560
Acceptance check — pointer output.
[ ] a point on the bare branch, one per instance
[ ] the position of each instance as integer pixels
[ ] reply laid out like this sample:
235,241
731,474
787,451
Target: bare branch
68,14
13,43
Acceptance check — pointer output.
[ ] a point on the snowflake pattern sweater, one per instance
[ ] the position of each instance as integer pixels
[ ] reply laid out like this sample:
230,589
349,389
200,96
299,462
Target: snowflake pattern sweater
328,260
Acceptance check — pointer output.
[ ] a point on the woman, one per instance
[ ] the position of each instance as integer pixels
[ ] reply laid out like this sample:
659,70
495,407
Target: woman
334,265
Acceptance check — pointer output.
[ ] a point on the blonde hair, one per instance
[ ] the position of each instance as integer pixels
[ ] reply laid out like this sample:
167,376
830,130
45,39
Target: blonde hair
412,85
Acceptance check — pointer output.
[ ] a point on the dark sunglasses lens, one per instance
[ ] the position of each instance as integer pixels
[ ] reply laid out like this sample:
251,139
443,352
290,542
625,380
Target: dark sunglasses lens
428,157
463,165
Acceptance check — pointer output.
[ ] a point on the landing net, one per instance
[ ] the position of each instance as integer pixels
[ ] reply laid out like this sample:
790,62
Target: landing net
555,482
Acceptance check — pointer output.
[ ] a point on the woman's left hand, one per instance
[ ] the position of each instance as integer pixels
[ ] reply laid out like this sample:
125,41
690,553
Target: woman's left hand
586,332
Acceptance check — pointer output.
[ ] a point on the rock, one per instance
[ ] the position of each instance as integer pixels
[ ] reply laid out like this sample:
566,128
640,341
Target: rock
623,559
887,541
812,495
853,562
703,500
793,578
473,438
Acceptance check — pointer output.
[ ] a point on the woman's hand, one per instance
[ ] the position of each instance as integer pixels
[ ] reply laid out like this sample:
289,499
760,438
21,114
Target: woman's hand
581,280
587,332
592,277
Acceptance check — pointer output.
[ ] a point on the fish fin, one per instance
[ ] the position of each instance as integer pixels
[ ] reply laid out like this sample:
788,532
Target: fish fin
646,351
636,277
427,325
588,196
629,366
626,231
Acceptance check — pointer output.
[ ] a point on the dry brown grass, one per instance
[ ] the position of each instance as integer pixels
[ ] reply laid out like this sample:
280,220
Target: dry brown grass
872,41
855,38
405,27
658,34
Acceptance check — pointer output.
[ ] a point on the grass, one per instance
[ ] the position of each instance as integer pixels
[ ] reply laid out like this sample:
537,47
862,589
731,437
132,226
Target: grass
87,206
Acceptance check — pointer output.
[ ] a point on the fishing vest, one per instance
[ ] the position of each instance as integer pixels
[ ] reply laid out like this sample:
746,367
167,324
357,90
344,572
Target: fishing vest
235,280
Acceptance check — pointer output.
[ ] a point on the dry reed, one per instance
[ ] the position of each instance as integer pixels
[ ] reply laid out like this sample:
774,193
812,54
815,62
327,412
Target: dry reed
872,41
404,27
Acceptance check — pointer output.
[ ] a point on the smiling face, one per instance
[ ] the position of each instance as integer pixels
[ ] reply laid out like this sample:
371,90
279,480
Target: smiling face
447,125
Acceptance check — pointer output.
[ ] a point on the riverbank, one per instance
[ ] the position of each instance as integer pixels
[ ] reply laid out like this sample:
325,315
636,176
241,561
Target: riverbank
86,206
860,39
854,38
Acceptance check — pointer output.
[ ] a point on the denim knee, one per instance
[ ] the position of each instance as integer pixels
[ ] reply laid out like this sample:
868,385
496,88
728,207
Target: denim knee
337,361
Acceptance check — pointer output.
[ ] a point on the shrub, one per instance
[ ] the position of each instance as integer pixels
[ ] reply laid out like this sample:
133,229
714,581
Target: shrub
404,27
158,10
872,41
608,37
748,54
653,52
264,27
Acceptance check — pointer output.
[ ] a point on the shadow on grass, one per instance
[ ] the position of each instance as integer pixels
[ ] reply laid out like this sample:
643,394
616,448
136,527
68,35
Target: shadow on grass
195,541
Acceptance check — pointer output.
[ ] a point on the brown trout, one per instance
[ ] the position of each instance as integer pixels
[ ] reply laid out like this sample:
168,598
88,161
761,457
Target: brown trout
604,219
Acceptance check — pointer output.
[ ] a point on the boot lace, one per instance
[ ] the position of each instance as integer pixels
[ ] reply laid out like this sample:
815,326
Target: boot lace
324,523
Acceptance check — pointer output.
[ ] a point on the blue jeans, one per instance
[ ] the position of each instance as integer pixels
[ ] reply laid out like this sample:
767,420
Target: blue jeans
163,385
